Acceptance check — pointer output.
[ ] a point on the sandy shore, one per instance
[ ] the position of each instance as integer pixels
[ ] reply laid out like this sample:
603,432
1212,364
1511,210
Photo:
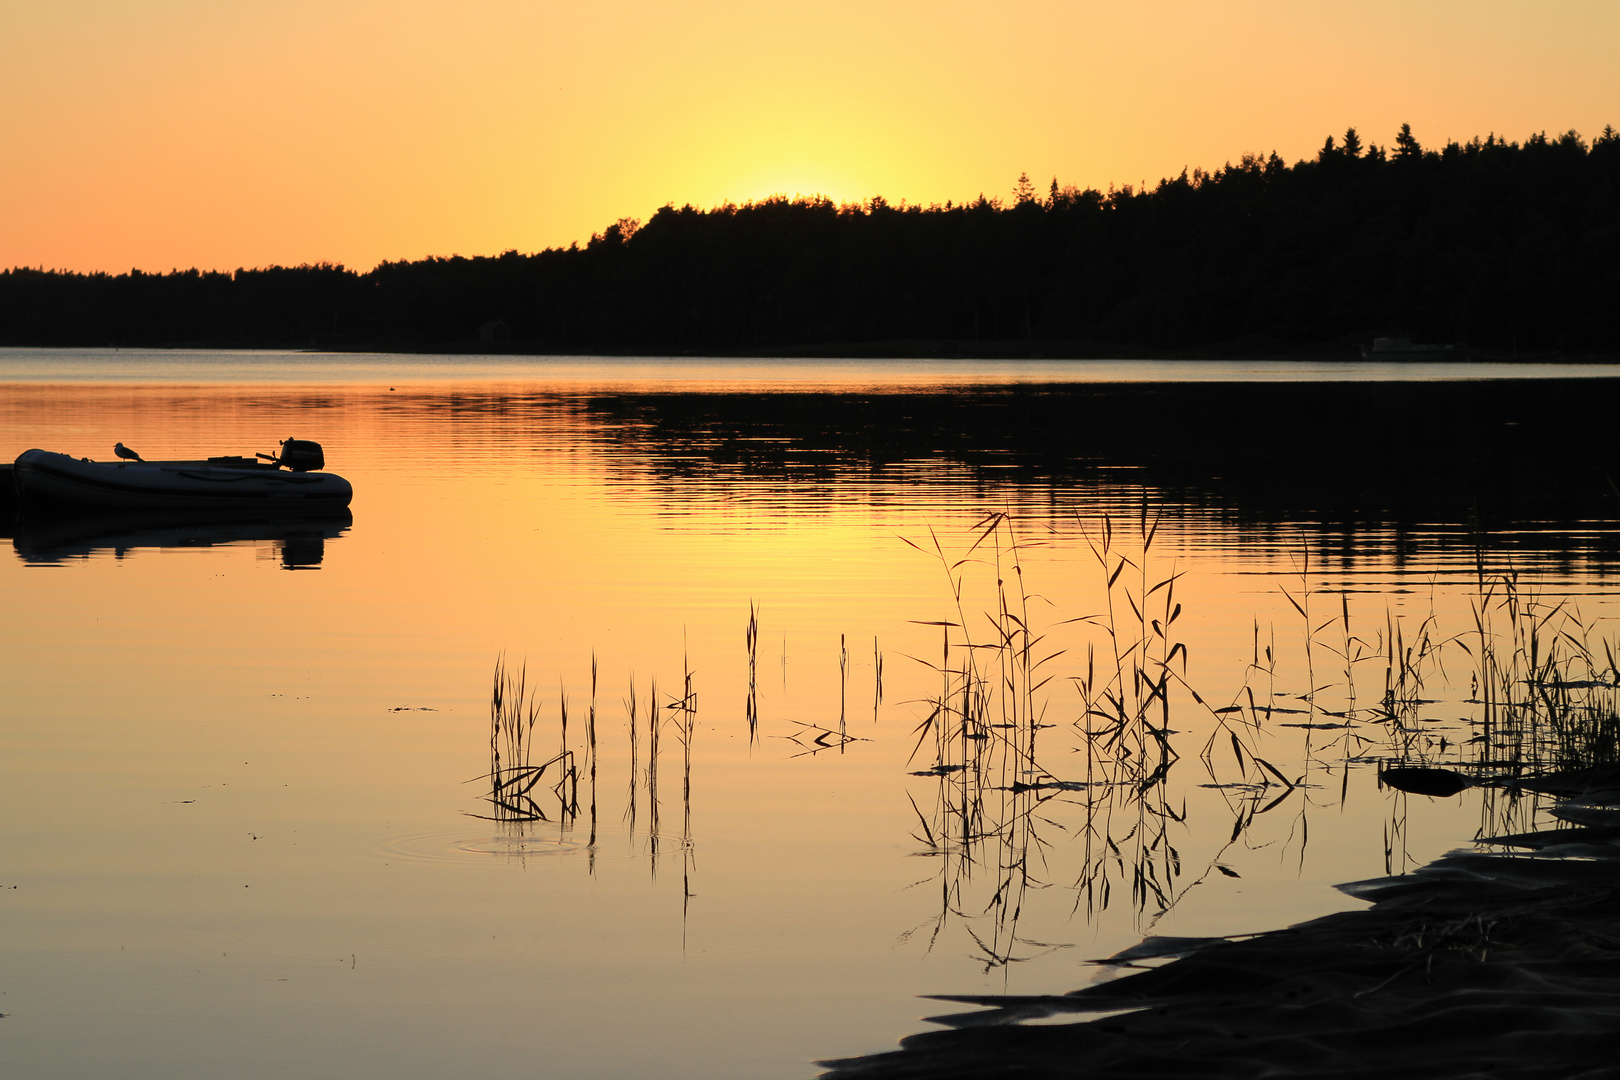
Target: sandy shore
1497,961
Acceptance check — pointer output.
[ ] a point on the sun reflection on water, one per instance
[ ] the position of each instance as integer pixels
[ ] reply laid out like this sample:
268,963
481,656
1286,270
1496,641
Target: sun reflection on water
730,596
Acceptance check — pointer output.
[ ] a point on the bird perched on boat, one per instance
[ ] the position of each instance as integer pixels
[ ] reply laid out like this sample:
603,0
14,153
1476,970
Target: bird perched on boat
126,453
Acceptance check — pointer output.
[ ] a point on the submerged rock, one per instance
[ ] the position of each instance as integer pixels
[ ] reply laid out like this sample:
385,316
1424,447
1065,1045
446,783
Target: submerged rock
1438,782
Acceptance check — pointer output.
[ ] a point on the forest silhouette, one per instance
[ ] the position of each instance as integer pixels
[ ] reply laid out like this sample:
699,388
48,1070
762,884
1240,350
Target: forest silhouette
1507,248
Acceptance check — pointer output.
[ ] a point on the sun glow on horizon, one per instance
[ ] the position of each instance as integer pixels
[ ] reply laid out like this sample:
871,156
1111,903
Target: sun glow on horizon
182,133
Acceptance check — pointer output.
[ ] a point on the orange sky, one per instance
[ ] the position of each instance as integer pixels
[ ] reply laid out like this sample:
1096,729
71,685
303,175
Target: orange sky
175,133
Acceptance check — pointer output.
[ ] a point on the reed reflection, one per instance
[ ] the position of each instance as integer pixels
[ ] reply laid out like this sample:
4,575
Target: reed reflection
1018,794
526,789
520,791
1541,734
1009,808
1086,785
544,528
1541,739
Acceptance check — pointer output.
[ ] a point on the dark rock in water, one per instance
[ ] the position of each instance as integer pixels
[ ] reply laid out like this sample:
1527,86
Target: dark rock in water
1437,782
1599,785
1482,963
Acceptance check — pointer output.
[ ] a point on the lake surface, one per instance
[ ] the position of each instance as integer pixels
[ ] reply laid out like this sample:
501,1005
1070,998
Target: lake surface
245,795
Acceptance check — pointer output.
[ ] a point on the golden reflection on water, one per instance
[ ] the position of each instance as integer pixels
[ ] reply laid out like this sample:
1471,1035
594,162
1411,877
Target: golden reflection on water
237,800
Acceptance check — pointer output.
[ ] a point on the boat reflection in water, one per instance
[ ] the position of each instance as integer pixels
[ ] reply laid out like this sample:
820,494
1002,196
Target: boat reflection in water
51,538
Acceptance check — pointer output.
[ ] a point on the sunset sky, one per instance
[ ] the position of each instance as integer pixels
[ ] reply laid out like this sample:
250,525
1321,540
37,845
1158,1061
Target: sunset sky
165,134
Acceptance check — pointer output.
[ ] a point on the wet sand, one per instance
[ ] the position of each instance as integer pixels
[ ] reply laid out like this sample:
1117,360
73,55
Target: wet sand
1498,961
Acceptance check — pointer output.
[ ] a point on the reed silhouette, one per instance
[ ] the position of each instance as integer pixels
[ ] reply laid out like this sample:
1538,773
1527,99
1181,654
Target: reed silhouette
1023,770
514,779
1483,940
751,706
522,792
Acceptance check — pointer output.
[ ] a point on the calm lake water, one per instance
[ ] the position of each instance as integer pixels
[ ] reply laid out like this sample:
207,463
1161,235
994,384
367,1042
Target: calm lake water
244,766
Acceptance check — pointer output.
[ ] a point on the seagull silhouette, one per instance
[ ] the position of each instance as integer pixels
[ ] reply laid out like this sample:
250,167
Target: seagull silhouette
125,452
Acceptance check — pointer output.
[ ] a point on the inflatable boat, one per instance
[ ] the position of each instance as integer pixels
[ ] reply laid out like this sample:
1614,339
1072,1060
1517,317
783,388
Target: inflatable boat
288,483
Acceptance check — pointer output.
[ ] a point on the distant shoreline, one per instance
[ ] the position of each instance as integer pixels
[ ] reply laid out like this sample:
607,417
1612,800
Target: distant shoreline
1486,250
1338,351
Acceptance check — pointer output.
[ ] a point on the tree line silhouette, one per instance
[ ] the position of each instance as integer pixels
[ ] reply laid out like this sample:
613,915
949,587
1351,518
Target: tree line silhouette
1499,245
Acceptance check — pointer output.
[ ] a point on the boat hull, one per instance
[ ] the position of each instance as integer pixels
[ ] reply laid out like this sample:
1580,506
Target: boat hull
45,477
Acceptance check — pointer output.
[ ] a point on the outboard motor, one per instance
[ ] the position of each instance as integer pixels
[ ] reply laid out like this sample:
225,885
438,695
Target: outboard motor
301,455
